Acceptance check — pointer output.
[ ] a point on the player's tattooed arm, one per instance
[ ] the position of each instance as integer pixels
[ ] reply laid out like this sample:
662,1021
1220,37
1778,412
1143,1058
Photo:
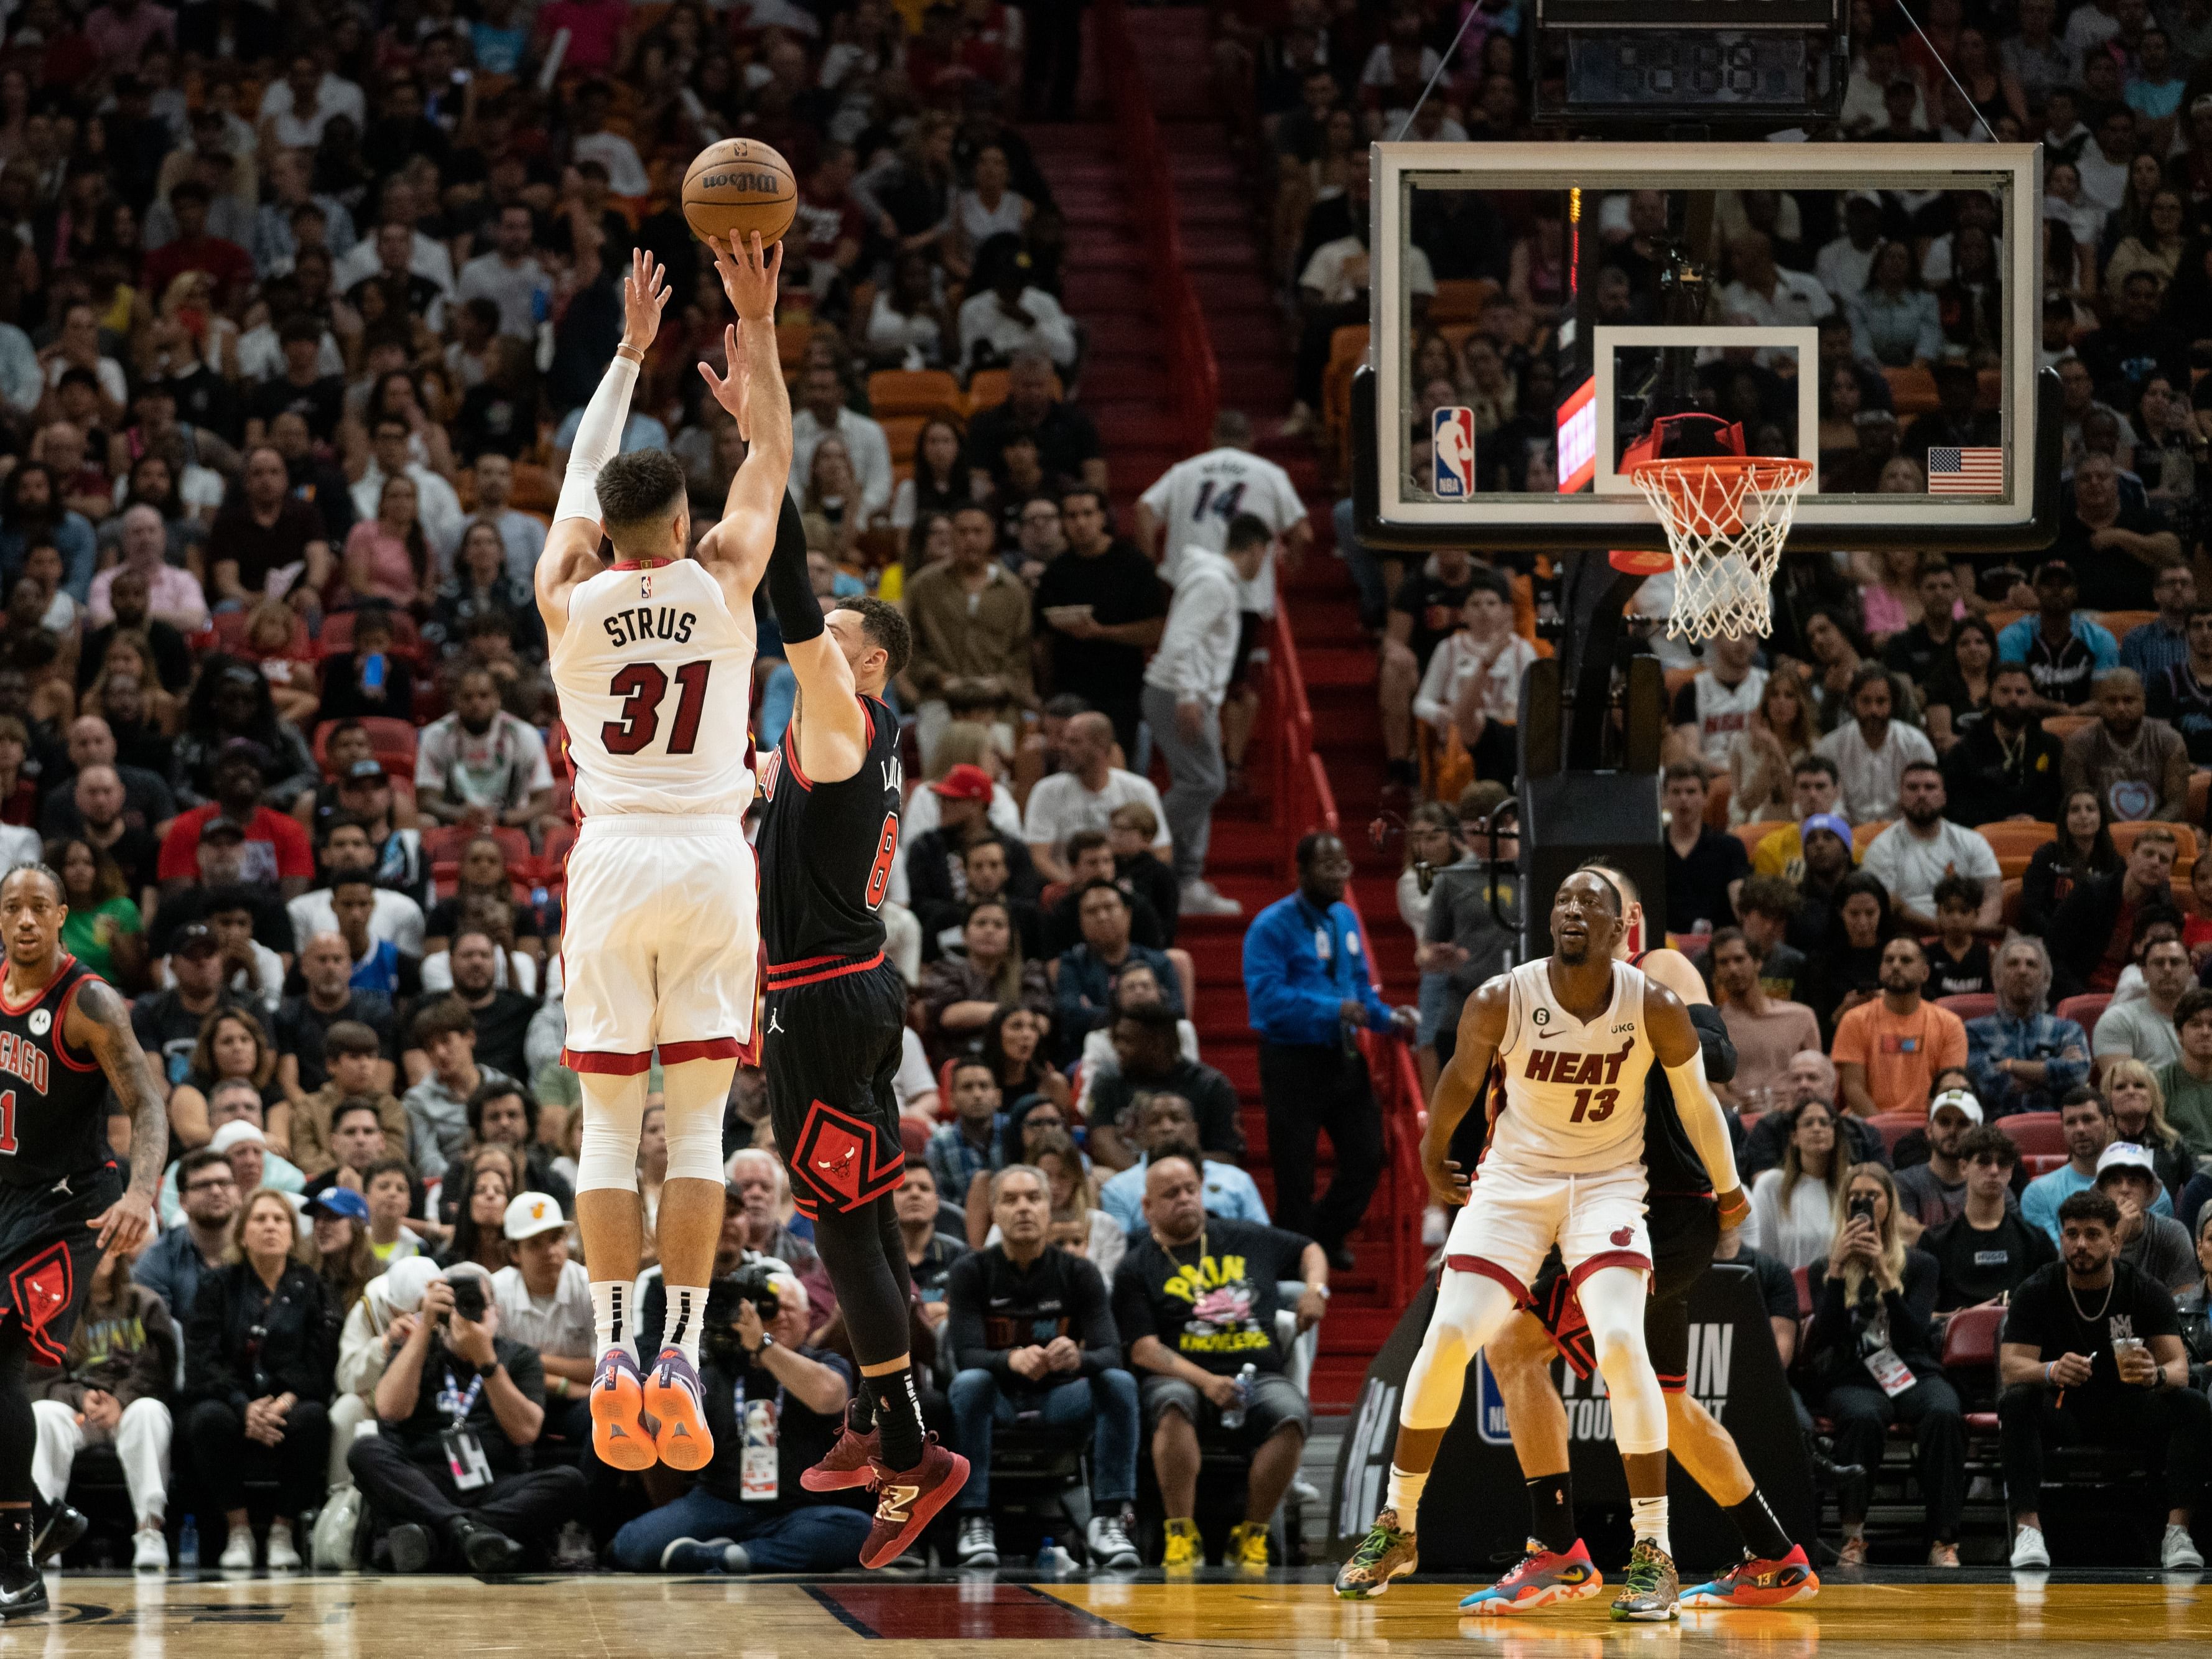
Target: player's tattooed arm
1461,1084
100,1022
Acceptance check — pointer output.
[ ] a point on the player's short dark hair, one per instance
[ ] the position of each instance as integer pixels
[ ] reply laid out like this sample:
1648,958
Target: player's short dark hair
2090,1205
1964,890
52,876
448,1017
498,1088
885,624
1249,530
1082,841
638,491
350,1037
353,1104
1987,1141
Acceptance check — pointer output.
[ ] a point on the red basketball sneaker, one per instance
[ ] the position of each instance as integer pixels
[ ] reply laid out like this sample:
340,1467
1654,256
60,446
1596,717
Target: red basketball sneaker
1759,1584
911,1500
850,1463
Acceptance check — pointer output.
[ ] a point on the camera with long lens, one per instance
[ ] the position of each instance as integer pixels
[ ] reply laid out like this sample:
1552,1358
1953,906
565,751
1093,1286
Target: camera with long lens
755,1282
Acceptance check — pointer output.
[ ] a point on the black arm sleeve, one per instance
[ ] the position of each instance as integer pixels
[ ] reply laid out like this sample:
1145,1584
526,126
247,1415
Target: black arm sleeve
798,613
1713,1038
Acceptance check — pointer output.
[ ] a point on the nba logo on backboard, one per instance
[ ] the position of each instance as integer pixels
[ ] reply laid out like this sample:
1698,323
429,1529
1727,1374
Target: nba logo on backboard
1453,428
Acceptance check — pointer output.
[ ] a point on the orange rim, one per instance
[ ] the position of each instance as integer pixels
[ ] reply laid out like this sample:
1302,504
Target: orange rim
1785,469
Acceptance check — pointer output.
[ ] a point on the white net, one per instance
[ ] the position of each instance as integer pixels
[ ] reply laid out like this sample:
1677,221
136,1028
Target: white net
1726,521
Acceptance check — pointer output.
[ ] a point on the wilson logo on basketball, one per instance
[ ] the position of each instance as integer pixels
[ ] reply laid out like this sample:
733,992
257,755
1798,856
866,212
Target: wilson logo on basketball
764,181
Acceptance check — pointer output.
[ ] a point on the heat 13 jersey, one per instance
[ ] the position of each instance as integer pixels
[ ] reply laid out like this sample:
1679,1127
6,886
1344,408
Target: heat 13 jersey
655,676
1574,1089
826,849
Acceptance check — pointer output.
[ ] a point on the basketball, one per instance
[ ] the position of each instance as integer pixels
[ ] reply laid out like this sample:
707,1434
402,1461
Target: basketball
736,187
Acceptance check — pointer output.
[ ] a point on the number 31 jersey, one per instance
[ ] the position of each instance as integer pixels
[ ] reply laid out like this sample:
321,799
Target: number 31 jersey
1574,1089
826,851
655,678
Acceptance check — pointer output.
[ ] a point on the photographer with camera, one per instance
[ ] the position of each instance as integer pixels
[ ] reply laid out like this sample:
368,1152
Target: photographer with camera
1032,1335
460,1406
774,1407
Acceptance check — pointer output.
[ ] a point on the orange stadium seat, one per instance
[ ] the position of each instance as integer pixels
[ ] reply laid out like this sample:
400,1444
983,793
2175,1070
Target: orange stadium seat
915,392
2014,844
1752,833
1461,299
2126,835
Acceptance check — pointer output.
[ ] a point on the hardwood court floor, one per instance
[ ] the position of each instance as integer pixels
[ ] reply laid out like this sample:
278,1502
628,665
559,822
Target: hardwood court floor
368,1617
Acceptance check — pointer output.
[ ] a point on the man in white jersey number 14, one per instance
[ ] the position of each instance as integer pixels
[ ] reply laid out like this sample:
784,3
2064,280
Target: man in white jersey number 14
1576,1033
652,655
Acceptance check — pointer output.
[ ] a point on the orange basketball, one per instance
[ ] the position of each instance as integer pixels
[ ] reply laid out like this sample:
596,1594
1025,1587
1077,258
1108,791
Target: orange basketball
736,187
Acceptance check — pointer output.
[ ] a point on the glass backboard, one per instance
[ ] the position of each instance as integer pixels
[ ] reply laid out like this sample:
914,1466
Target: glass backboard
1875,309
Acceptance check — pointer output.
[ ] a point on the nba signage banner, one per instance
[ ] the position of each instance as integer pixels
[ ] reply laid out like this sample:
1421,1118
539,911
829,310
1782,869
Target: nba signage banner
1452,430
1474,1514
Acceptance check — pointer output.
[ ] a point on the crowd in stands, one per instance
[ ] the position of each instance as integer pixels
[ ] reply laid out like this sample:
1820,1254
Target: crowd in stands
306,303
1937,843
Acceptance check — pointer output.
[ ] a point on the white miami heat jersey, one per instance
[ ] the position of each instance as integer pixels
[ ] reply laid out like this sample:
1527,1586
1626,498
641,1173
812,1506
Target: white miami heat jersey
1574,1090
655,678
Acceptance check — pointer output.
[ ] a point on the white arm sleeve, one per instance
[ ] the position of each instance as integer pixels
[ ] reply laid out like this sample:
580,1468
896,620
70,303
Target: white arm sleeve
598,440
1703,1122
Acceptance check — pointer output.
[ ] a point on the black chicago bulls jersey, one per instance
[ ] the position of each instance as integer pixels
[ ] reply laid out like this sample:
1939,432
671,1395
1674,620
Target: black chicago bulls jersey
826,851
1672,1168
53,1100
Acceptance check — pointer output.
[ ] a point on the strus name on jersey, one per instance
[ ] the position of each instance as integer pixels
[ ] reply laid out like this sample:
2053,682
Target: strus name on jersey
21,1057
1555,1065
647,623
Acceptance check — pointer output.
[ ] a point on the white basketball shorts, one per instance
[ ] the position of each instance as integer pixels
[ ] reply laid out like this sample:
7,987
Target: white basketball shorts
1510,1225
661,942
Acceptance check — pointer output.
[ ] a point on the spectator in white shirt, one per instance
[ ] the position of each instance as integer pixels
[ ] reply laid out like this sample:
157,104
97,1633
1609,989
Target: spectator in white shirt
426,256
294,110
1714,709
437,507
626,174
1473,678
1922,847
1872,751
822,411
1011,315
1184,686
509,276
1842,266
545,1303
1765,293
1083,796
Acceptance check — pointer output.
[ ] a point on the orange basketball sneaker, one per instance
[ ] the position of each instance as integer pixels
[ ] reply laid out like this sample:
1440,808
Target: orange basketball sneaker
618,1432
678,1409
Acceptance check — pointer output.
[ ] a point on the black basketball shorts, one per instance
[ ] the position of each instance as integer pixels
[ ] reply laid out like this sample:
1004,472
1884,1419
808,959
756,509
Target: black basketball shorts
831,1048
1684,1232
47,1252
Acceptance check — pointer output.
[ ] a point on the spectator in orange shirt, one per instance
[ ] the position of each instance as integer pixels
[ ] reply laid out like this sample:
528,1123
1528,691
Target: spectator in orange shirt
1888,1051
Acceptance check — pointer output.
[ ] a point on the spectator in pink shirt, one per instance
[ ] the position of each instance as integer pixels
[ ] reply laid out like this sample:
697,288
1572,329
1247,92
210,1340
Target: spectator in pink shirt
172,593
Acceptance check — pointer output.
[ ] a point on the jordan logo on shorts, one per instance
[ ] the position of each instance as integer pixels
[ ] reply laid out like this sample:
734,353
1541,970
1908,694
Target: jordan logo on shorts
842,1159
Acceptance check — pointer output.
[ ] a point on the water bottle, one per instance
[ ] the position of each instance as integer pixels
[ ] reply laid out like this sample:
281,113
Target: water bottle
188,1544
1233,1416
1051,1561
537,897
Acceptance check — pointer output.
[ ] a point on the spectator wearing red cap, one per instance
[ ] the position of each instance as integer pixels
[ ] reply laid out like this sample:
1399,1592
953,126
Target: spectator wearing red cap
936,859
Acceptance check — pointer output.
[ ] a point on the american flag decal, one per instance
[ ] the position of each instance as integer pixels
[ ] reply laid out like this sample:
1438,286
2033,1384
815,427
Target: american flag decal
1965,471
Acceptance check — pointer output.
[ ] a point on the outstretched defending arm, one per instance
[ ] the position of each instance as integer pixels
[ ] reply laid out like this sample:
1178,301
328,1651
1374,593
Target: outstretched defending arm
572,548
755,393
827,724
1675,1040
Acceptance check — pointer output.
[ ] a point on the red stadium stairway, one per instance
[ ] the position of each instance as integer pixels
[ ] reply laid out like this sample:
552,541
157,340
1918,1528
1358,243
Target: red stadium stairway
1126,385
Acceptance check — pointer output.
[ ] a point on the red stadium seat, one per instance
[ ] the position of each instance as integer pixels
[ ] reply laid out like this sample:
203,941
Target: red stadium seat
1803,1276
1895,1126
2085,1010
1970,1005
2036,1134
336,637
2041,1164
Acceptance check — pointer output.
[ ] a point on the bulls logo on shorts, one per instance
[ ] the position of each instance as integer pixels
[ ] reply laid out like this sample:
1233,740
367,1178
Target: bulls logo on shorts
43,1288
841,1160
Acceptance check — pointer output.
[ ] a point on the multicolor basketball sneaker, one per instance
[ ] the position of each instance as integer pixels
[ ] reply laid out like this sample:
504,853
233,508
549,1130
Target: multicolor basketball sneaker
1386,1553
618,1433
677,1406
1543,1578
1757,1583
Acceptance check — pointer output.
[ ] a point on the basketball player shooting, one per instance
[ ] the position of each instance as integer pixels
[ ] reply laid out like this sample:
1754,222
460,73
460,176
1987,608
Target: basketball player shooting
65,1040
653,657
1684,1222
834,1007
1576,1033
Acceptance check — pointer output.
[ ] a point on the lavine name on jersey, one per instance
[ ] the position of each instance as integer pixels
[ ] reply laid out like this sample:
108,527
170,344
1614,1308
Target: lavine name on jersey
1547,1066
662,623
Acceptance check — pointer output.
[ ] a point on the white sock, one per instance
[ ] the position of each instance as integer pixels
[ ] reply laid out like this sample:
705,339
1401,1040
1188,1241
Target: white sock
1650,1514
686,1304
1403,1494
610,1317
